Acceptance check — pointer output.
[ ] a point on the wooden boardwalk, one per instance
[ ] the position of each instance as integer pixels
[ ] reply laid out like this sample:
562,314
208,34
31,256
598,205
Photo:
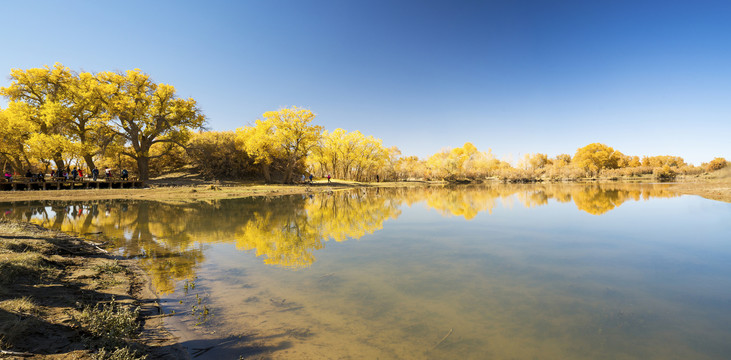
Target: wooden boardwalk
25,184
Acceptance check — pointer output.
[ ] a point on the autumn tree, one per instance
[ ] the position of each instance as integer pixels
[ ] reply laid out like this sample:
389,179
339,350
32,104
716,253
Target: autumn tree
662,160
87,119
716,164
258,143
216,155
594,157
145,113
410,167
42,91
14,133
285,134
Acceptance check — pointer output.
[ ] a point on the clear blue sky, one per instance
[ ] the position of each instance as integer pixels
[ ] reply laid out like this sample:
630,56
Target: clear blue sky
646,77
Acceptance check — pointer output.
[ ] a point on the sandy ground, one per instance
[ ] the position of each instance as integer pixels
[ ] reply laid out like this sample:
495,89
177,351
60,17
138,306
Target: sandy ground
49,277
175,192
714,189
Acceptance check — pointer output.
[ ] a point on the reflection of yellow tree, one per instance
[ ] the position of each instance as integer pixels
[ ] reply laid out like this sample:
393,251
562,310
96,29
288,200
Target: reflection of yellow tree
599,199
287,236
465,201
351,215
282,240
595,199
152,232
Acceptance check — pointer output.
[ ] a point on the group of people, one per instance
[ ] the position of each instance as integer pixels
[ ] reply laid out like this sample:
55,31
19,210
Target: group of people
69,174
304,178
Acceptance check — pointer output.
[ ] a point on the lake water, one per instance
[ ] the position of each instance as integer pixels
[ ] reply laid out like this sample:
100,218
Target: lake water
615,271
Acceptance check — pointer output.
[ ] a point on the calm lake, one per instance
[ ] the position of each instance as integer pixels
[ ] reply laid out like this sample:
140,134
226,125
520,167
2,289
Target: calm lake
615,271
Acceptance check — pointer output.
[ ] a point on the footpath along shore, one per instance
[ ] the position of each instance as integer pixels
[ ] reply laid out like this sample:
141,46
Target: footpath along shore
56,290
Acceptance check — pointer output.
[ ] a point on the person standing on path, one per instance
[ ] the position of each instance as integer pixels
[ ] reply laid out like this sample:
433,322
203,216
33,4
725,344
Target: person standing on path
328,177
94,173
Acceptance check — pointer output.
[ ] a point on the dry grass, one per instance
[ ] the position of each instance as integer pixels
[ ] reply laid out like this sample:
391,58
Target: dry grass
23,305
18,318
51,301
27,265
124,353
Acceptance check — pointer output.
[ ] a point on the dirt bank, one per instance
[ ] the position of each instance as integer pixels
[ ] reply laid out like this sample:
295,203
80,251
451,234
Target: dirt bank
710,189
176,191
64,298
192,192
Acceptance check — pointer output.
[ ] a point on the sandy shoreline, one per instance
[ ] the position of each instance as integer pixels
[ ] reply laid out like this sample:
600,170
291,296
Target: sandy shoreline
715,189
187,193
53,288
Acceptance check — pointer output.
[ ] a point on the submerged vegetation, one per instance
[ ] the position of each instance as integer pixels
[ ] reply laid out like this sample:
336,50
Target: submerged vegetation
57,118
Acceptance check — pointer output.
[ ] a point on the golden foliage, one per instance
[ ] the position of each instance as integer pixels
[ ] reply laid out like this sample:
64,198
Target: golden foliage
284,134
595,157
716,164
217,156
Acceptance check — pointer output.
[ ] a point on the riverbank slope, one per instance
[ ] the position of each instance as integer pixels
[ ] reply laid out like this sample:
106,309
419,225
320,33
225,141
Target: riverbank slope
62,297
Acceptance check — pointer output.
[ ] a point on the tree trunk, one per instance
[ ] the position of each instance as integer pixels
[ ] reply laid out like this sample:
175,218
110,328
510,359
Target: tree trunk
59,163
89,161
265,172
143,168
288,174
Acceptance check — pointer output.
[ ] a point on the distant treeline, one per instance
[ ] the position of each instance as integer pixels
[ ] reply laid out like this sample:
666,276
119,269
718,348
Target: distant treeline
59,119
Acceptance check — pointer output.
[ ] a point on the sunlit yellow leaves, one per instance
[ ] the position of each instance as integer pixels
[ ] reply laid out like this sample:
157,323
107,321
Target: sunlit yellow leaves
285,134
352,156
145,113
461,163
595,157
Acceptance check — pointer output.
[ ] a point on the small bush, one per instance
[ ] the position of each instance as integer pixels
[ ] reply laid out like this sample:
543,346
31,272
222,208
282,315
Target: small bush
109,268
665,173
123,353
111,322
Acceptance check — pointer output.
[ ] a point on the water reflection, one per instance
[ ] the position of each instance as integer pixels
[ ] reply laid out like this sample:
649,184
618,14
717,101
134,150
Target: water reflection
468,272
169,239
287,232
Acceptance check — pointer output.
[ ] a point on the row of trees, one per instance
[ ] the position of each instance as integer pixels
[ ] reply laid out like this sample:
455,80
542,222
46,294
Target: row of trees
57,116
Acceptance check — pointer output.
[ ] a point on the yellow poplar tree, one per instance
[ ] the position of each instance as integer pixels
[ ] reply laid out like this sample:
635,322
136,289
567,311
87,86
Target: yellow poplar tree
258,142
14,132
285,134
595,157
145,113
43,91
